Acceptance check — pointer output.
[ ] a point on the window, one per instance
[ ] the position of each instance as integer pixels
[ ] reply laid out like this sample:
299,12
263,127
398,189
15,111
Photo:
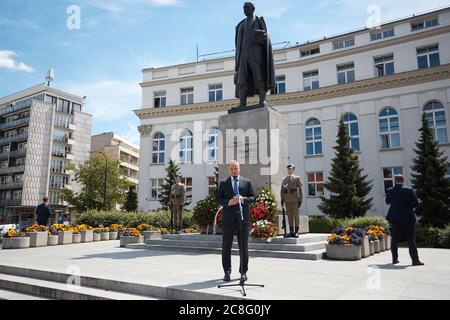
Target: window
428,57
187,96
310,52
215,92
382,35
313,137
351,122
435,113
51,99
4,164
58,166
17,194
20,162
22,146
213,144
416,26
188,183
280,85
58,182
186,147
389,129
343,44
388,176
212,187
63,106
346,73
384,66
55,197
58,150
315,184
310,80
76,107
18,178
156,190
159,99
158,148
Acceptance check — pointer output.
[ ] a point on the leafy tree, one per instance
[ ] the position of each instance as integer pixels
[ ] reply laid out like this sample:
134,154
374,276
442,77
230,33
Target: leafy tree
433,189
347,185
91,177
172,172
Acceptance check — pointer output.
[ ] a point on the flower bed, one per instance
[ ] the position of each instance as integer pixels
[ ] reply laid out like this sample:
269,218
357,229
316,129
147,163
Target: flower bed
38,235
15,240
131,236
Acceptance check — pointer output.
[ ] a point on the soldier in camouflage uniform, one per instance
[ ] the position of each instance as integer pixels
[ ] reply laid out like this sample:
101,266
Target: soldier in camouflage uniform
177,201
292,198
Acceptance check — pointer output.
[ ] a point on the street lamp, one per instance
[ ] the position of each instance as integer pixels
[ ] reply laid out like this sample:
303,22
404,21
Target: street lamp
106,174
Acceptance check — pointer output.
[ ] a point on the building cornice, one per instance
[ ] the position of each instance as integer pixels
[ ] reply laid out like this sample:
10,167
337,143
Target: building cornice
358,87
309,60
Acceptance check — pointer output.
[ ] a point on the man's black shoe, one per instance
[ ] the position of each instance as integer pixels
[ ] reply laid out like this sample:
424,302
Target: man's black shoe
395,261
227,277
418,263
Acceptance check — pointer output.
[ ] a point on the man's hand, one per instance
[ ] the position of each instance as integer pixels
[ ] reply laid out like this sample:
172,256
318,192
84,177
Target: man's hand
299,204
282,203
235,201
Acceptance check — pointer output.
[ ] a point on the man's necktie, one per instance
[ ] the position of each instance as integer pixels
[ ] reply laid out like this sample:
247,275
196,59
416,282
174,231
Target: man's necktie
235,186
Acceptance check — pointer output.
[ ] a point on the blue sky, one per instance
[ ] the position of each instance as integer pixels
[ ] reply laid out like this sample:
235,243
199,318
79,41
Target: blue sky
118,38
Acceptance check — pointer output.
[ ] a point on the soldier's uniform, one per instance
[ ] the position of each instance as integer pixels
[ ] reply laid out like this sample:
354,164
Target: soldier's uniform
292,196
177,200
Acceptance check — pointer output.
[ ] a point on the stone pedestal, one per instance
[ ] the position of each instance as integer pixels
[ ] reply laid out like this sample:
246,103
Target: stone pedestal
256,136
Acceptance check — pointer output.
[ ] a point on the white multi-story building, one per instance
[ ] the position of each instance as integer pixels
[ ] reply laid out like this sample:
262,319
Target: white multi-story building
42,130
379,80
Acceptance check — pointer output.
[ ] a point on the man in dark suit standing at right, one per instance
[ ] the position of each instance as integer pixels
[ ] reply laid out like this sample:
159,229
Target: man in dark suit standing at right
43,213
235,196
403,201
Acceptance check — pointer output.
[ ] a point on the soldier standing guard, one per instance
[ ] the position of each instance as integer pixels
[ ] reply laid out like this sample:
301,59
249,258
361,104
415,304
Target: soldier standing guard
292,197
178,199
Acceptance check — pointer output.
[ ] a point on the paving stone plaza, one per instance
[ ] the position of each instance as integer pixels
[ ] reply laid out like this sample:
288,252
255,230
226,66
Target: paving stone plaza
106,271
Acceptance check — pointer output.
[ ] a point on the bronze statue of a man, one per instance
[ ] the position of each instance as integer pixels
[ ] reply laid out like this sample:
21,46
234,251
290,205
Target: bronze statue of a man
255,72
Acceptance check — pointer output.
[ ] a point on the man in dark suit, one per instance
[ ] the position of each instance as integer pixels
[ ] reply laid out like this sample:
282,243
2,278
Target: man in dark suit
43,213
403,201
235,196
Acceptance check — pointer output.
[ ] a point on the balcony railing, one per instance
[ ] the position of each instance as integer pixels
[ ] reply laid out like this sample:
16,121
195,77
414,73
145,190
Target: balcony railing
14,123
15,108
11,185
12,169
10,202
18,153
19,137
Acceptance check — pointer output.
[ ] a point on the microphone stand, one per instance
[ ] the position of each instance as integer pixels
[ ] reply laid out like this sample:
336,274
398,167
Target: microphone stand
242,283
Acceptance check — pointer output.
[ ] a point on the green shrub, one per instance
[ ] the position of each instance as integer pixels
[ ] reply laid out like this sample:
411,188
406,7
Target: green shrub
159,219
427,237
324,224
444,238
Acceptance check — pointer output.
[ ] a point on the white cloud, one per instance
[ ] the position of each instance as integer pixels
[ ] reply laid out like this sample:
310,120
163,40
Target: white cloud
7,61
115,6
108,100
131,134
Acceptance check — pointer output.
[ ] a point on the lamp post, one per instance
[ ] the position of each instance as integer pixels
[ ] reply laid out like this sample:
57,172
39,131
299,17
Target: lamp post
106,174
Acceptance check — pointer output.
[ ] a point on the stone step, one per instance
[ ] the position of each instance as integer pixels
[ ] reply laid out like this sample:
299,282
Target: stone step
128,290
311,255
252,245
60,291
303,239
10,295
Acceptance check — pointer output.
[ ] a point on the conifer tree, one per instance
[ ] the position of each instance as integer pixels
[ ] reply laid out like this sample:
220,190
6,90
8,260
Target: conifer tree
347,185
432,188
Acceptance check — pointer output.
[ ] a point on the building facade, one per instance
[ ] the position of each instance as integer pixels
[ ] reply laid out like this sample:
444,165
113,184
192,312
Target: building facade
118,148
42,130
379,81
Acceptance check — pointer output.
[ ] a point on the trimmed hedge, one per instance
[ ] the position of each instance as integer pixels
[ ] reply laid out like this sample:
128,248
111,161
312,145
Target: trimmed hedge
159,219
430,237
324,224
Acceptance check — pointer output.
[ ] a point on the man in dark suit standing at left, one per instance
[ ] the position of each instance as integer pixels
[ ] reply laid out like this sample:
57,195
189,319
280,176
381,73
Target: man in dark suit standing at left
235,195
